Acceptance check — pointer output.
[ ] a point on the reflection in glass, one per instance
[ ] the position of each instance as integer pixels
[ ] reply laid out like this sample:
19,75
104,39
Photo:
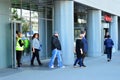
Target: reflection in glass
49,34
49,13
42,12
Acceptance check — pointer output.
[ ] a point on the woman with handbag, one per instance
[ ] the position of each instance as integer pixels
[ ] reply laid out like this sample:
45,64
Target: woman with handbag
35,49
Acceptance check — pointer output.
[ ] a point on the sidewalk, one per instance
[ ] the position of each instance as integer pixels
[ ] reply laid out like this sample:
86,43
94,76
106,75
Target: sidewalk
97,69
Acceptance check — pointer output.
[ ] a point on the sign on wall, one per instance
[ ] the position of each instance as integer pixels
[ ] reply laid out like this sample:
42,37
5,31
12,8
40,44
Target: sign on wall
107,18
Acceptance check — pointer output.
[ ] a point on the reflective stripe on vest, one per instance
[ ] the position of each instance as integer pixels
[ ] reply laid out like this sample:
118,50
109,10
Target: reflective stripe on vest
18,47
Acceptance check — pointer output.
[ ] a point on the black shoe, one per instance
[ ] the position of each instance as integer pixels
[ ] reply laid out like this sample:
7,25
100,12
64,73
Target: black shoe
108,60
21,64
40,64
32,65
83,65
78,63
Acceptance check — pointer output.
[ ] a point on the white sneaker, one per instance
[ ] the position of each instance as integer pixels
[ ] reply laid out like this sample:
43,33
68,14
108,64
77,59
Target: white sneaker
62,67
75,66
19,68
52,67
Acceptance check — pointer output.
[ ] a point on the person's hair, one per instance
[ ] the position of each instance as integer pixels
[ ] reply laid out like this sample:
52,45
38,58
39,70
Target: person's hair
81,36
35,35
82,32
108,36
19,33
55,32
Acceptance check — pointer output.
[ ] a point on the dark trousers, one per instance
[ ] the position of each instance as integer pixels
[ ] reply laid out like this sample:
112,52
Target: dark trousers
83,57
78,60
18,57
35,54
109,52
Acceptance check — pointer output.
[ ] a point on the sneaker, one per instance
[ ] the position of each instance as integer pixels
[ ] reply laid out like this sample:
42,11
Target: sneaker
109,60
58,65
62,67
75,66
32,65
40,64
51,66
83,65
19,68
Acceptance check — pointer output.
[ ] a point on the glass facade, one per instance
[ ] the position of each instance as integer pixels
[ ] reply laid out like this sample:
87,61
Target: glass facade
80,19
27,13
34,16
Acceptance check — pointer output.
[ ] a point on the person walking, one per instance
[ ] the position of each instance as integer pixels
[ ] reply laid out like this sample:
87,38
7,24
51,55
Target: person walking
79,51
56,51
106,34
105,37
108,45
35,49
85,48
19,48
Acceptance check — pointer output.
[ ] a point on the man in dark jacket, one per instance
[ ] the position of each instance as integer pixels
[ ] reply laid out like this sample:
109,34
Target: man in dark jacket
55,42
85,48
108,45
56,51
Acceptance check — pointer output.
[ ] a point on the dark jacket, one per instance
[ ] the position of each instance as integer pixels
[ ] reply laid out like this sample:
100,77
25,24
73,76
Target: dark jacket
108,43
79,45
55,43
85,49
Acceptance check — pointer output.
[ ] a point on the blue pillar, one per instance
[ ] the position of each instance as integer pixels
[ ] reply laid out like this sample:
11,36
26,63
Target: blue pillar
64,24
94,33
114,31
5,34
118,34
43,34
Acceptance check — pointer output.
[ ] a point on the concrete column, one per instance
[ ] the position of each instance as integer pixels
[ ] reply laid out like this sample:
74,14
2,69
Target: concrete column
64,24
42,33
114,31
94,33
5,33
118,34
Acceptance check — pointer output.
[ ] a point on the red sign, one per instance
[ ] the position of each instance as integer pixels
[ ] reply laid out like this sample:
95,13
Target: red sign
107,18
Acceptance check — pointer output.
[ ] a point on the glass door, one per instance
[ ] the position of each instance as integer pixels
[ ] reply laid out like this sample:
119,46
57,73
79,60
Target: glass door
15,26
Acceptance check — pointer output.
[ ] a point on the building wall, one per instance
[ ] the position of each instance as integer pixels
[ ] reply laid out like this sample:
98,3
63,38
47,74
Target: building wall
109,6
119,34
5,55
64,27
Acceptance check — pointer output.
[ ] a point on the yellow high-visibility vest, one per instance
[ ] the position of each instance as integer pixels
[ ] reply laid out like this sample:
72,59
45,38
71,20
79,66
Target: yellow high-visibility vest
18,47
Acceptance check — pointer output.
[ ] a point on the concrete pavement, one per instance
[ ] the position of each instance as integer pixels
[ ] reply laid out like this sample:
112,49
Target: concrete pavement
97,69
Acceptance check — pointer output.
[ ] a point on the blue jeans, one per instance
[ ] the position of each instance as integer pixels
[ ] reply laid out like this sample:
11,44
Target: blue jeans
56,53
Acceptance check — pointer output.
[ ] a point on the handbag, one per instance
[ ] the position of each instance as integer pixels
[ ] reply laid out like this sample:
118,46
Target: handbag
113,50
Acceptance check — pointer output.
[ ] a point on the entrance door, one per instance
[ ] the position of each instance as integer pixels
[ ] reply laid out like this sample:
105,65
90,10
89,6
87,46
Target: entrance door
15,26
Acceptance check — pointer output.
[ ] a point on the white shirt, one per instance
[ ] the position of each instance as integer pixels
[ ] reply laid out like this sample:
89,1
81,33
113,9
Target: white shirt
36,43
